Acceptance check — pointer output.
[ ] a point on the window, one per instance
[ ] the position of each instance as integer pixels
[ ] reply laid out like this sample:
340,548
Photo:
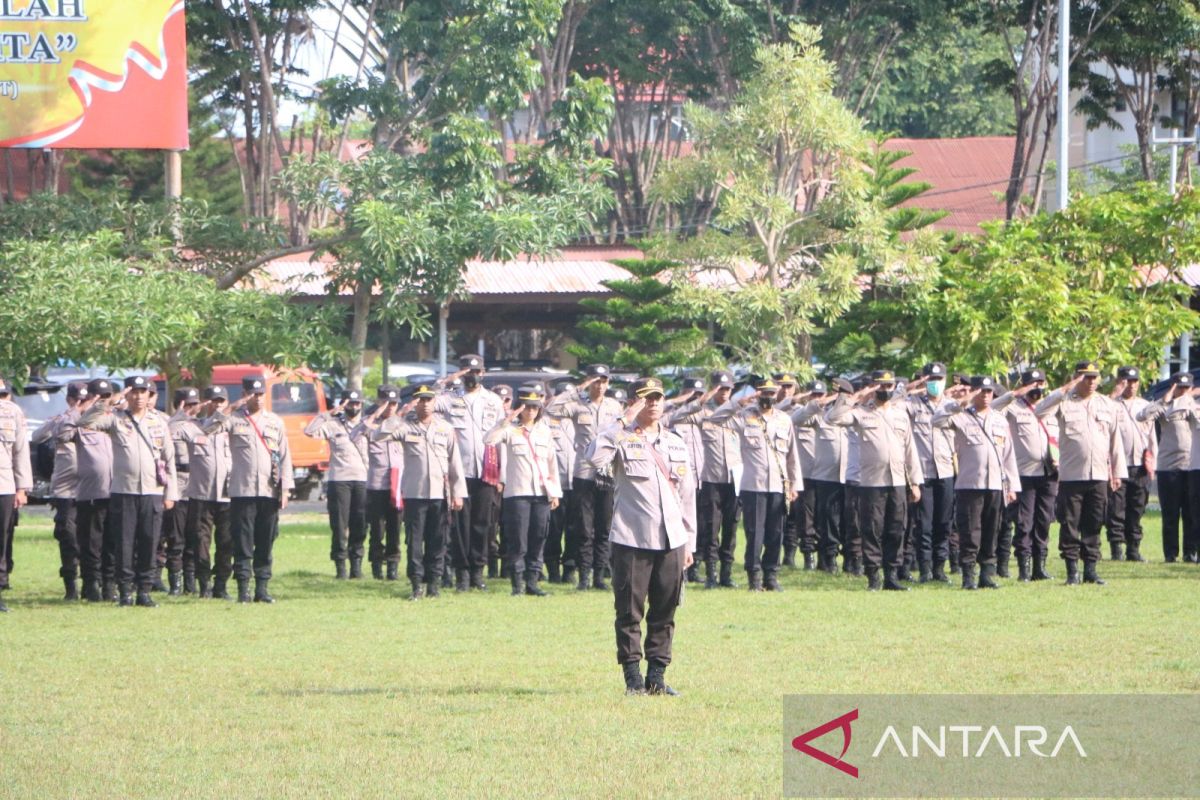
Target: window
293,398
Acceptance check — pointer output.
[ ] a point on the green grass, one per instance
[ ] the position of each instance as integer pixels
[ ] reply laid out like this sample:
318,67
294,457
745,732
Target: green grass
345,689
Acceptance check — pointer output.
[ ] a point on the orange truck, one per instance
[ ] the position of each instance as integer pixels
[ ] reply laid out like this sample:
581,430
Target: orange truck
296,396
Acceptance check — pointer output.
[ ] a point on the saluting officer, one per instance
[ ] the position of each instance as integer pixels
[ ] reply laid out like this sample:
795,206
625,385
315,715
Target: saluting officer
825,475
987,475
801,528
209,465
260,478
63,486
592,493
346,483
93,468
1128,503
16,478
531,489
1174,460
431,476
653,532
770,478
174,521
1035,441
935,510
689,431
556,553
1093,463
143,483
888,464
383,486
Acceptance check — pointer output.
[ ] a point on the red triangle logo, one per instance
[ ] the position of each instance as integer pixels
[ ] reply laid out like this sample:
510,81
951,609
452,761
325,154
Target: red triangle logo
801,743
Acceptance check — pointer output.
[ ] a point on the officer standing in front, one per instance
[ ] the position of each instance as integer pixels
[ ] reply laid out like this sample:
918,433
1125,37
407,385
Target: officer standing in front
383,487
209,464
826,477
1174,461
1128,503
64,484
16,479
346,482
93,469
174,524
653,532
260,479
935,509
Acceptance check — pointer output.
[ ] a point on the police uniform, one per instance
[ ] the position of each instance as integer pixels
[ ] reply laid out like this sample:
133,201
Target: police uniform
592,490
209,465
824,475
934,512
555,553
531,486
93,472
771,472
16,478
888,467
260,478
431,473
987,473
653,530
173,542
345,484
64,484
1174,460
1092,455
143,479
383,488
800,531
1128,503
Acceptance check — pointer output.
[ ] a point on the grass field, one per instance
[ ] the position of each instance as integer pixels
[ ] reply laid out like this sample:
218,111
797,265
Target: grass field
345,689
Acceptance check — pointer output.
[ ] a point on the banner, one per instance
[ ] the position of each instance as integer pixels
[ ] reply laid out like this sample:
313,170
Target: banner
93,74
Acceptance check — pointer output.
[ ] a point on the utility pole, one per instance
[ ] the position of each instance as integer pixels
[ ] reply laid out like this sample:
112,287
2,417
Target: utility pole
173,169
1185,341
1064,101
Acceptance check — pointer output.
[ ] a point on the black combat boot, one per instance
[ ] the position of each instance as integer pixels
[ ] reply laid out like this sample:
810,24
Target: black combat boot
91,591
340,565
901,573
926,572
431,588
656,682
202,587
691,574
598,580
633,678
874,582
72,592
1133,552
1089,573
109,592
939,572
727,575
771,582
755,579
1024,564
809,563
189,581
857,569
477,582
158,585
3,608
892,580
261,595
710,574
418,591
789,556
355,569
377,570
145,600
1002,568
493,566
447,579
462,581
1116,551
987,577
583,583
954,565
176,583
393,571
243,590
531,583
555,574
568,575
219,591
1072,572
126,595
831,565
1039,570
968,577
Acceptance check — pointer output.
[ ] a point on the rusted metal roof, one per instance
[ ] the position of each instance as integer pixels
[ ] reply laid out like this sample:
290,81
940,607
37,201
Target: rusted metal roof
968,177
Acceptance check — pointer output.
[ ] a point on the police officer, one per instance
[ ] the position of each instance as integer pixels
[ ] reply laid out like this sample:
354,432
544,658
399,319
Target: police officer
531,489
770,478
209,465
825,474
64,484
143,483
590,411
16,478
431,484
346,482
653,532
935,510
556,553
260,478
1128,503
690,389
987,475
801,529
1035,441
1174,459
384,460
174,521
1093,464
888,464
472,415
93,452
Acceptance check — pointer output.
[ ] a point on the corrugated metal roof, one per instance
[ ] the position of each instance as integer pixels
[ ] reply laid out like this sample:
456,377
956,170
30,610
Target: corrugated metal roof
968,176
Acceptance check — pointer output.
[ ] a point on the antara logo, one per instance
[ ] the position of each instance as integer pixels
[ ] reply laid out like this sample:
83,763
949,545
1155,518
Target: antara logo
801,743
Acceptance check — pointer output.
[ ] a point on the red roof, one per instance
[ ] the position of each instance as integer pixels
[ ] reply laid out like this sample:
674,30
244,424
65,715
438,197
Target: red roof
968,177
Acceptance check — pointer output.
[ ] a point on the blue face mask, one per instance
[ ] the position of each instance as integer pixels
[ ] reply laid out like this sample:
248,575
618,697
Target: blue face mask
934,388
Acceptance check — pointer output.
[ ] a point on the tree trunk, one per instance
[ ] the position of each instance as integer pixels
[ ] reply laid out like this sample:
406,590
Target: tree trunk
358,335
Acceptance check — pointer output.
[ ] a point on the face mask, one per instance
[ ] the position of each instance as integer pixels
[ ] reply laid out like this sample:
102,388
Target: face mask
882,395
351,412
1035,395
470,381
934,388
766,402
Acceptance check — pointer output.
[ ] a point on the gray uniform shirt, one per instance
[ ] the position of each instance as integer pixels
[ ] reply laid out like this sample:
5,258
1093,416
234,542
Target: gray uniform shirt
472,415
653,507
528,458
182,456
1175,442
93,461
830,444
588,419
347,446
135,455
431,468
1031,433
887,455
209,461
722,445
16,471
1137,434
64,482
984,443
935,446
563,433
1090,444
250,465
770,456
383,455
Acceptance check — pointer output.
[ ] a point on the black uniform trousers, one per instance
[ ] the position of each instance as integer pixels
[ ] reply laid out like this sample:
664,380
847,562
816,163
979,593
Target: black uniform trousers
979,513
1035,512
554,551
254,524
852,532
383,520
8,517
882,514
829,500
527,520
346,502
137,521
66,534
804,519
639,575
1173,496
593,518
764,530
935,517
425,531
719,538
1191,534
1006,535
173,540
91,524
471,527
206,517
1082,504
1126,507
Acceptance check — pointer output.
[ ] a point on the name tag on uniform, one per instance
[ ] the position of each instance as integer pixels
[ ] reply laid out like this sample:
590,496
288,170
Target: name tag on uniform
201,440
585,419
755,421
414,438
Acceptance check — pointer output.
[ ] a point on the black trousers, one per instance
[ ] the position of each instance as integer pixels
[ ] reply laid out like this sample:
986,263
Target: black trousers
425,530
804,521
8,517
527,519
346,502
764,530
719,539
1006,535
1173,497
383,520
206,517
1082,504
254,523
470,527
1126,507
639,575
852,541
934,520
66,534
593,518
1035,512
882,513
173,540
979,514
555,551
1191,533
91,524
830,501
137,520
